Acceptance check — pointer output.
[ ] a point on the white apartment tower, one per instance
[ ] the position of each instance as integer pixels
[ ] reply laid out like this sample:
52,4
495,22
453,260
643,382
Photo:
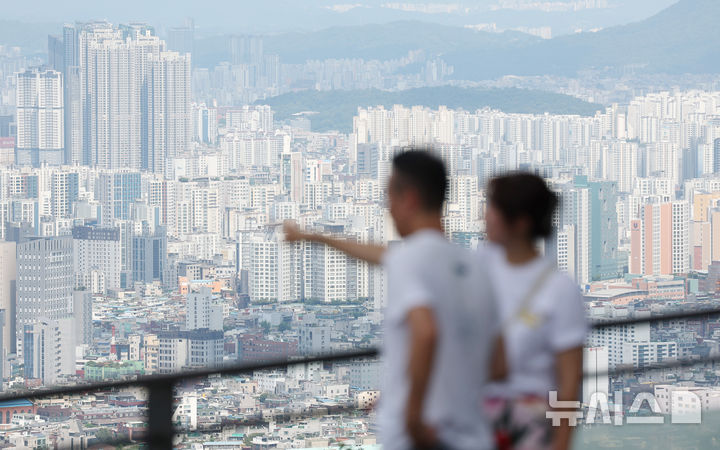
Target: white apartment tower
169,114
135,97
274,267
40,117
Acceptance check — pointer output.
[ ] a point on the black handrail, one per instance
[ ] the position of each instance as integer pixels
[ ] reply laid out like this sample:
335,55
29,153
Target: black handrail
658,318
160,387
174,378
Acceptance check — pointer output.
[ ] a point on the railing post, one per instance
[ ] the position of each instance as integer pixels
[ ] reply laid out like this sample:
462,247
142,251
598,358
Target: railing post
160,411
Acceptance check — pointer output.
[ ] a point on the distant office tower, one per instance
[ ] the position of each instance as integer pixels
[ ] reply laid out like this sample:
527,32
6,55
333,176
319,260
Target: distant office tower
64,191
149,254
49,349
660,240
180,350
40,117
202,312
8,280
716,156
97,258
116,191
44,280
134,96
82,316
182,39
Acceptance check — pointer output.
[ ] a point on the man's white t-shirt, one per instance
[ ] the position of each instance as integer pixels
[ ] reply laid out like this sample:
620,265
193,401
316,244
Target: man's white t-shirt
531,347
428,271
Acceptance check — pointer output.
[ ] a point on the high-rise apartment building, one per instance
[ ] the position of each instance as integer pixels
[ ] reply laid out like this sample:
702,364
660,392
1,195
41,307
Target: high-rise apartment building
328,274
274,267
116,191
127,94
589,207
64,191
40,117
660,239
168,113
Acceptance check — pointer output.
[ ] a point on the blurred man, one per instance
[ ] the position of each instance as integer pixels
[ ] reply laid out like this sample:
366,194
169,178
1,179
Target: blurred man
440,323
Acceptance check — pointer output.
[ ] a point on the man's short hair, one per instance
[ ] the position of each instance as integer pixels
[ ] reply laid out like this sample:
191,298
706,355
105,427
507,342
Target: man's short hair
425,172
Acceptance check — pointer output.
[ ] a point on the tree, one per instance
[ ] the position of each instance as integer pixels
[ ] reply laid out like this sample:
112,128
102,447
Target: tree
265,326
104,435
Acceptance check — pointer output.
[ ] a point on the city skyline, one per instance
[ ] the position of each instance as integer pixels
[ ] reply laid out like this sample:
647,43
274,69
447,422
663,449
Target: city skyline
147,168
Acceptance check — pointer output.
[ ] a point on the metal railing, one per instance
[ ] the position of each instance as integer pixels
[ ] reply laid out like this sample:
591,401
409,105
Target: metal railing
161,387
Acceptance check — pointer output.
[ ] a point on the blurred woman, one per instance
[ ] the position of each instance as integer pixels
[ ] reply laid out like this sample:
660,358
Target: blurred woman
542,317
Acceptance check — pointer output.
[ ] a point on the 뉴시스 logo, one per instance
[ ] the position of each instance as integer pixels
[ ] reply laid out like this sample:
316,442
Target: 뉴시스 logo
683,407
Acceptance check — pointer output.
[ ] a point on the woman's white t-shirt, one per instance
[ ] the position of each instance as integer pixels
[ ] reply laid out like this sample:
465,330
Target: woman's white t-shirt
531,345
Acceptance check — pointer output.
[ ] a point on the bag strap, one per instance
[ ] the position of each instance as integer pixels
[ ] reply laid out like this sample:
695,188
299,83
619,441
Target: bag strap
530,295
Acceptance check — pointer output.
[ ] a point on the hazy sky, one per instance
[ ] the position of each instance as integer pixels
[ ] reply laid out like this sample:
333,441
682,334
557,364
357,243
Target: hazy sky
284,15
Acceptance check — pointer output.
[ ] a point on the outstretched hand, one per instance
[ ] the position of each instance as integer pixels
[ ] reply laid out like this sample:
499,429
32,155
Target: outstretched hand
292,232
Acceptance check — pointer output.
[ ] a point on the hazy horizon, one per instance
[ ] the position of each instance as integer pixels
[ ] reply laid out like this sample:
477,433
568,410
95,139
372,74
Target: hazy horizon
277,16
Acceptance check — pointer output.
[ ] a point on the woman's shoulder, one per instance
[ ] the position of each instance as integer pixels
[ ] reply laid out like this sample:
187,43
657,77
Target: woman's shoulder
563,282
564,295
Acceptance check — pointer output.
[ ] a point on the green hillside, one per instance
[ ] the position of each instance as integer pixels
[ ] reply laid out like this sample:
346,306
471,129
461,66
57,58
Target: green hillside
335,109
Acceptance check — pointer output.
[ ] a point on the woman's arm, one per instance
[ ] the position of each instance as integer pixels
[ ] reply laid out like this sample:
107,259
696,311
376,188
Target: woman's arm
371,253
568,367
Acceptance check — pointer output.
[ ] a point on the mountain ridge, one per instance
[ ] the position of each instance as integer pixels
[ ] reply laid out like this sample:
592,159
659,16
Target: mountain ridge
335,109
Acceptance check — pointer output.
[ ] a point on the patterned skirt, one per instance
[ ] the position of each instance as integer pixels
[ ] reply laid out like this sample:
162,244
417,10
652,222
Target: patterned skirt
520,423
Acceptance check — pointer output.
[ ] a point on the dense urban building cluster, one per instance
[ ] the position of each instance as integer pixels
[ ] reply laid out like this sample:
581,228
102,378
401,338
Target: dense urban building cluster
141,211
